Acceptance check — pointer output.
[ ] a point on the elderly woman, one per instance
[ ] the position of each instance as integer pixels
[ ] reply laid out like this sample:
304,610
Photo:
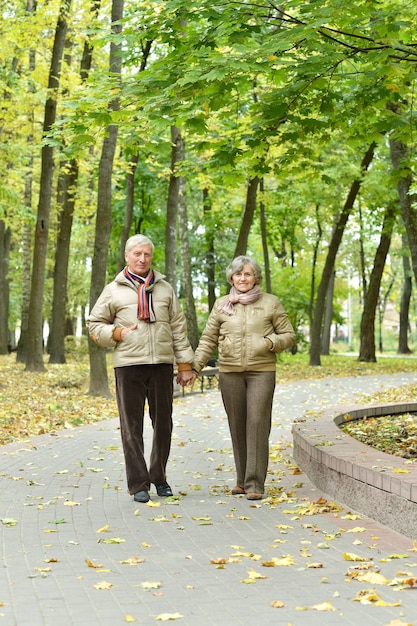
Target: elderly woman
249,327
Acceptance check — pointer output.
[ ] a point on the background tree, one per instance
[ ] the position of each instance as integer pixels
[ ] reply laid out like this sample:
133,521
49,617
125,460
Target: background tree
34,354
98,365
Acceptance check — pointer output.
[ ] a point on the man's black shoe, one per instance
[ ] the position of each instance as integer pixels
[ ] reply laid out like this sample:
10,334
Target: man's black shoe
164,490
141,496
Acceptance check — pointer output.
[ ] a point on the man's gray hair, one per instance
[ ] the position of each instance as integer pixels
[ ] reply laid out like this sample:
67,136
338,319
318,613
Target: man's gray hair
138,240
237,266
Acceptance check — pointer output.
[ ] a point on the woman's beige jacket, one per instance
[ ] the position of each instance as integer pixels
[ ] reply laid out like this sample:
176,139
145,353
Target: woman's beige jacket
249,339
163,341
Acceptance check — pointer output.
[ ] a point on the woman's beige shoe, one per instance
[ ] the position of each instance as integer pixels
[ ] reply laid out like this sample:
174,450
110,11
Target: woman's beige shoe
254,496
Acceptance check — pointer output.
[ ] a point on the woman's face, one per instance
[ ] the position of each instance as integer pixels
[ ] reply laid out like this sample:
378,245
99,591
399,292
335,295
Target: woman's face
244,280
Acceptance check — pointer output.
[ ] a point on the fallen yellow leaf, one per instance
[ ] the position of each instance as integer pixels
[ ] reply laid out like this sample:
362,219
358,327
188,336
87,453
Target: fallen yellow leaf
134,560
284,561
366,596
165,617
372,577
254,575
324,606
103,585
277,604
349,556
151,585
384,603
91,564
104,529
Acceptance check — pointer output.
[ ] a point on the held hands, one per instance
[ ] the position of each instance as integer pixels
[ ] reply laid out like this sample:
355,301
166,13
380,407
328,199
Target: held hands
186,378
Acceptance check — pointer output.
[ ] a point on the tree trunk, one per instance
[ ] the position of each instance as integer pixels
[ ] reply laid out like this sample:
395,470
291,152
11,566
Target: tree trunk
248,215
24,315
399,158
362,255
177,155
187,280
130,203
210,261
27,233
367,328
99,385
314,266
403,347
267,268
56,343
34,354
67,185
5,236
328,317
315,339
130,180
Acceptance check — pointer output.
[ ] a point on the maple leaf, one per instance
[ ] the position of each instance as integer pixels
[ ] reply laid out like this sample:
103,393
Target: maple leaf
151,585
398,556
324,606
91,564
254,575
284,561
103,585
8,521
372,577
104,529
366,596
43,569
134,560
349,556
277,604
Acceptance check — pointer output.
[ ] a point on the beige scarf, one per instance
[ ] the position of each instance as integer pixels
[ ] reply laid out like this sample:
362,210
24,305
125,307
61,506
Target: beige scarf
244,298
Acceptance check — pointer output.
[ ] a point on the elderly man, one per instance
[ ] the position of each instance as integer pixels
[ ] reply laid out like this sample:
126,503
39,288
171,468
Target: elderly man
138,315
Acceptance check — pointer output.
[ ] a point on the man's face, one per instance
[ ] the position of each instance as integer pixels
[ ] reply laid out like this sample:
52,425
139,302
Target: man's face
139,259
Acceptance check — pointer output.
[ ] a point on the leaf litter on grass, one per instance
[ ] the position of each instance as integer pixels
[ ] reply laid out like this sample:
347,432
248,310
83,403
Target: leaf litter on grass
35,403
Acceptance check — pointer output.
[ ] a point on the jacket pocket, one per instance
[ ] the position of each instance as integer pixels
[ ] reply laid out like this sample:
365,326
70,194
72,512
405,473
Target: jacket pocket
226,346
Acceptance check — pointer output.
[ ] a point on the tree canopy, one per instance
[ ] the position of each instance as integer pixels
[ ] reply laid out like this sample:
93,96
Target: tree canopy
276,107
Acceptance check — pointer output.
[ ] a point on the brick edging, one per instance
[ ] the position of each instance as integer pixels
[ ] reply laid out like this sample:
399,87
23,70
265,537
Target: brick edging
378,485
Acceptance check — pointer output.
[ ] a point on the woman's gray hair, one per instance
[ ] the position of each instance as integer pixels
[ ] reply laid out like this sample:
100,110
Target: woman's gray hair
237,266
138,240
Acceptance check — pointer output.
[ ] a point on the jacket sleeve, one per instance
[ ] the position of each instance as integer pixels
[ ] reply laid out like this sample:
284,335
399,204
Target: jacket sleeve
182,349
283,336
100,322
209,340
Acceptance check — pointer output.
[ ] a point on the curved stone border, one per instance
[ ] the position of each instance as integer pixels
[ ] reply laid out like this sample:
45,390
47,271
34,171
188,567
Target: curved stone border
378,485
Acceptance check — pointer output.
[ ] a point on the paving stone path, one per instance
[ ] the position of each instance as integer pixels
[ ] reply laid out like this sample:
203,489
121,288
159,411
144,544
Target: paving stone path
77,551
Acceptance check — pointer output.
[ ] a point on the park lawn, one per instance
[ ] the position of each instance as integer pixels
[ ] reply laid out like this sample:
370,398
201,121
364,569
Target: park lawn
37,403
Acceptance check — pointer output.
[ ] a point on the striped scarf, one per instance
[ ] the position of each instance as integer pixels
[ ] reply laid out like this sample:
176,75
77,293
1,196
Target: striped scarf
244,298
145,286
